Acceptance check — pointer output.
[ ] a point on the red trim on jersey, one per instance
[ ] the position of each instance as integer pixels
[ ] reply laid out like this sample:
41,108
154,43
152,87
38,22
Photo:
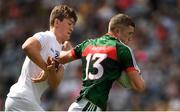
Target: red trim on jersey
73,53
131,69
112,34
109,50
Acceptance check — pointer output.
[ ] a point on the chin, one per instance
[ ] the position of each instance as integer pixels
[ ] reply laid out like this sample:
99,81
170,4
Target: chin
67,38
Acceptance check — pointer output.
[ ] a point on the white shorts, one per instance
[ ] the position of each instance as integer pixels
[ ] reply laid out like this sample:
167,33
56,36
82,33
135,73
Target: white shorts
21,104
83,105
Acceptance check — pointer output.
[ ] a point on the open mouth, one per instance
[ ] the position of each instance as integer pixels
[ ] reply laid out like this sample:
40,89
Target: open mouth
69,33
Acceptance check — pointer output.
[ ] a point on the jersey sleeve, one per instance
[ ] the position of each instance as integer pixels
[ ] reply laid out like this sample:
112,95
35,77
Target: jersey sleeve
42,38
76,52
127,59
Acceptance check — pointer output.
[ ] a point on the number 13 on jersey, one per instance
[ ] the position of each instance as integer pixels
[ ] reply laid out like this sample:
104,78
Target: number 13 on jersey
97,64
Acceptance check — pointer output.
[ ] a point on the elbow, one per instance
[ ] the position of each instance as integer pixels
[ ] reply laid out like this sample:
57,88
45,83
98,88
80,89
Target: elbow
25,48
140,88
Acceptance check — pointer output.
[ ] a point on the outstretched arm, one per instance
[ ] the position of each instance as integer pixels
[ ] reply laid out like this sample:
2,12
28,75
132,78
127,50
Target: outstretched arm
54,78
65,57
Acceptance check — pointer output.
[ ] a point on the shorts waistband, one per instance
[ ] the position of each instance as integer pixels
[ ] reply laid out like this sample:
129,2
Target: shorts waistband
88,104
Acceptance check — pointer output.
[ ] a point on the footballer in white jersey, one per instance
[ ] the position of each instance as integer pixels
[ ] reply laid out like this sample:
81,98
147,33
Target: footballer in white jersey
25,94
25,88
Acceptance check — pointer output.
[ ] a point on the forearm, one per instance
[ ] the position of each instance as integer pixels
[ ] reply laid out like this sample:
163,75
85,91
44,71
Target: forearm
36,58
136,80
55,79
138,86
65,57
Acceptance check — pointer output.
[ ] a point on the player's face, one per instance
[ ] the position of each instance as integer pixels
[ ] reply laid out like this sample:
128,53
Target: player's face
65,28
126,34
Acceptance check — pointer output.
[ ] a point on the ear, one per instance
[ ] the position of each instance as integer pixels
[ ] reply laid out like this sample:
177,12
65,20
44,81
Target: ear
117,32
56,22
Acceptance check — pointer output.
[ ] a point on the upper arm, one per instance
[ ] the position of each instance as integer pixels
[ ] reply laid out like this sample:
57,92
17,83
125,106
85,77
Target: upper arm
129,65
38,41
31,44
127,59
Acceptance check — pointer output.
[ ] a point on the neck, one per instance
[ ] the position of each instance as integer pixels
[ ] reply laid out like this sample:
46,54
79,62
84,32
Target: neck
113,35
58,38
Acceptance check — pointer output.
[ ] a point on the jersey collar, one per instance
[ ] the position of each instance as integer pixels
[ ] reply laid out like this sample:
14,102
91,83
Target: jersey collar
112,36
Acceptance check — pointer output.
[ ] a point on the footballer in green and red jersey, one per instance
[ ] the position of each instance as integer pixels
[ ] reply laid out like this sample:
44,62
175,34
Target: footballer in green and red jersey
103,60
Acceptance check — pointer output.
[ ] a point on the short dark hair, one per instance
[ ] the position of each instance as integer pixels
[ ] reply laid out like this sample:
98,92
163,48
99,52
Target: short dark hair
60,12
120,20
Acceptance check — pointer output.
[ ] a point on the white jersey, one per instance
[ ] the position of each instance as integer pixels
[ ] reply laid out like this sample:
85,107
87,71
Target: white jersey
25,88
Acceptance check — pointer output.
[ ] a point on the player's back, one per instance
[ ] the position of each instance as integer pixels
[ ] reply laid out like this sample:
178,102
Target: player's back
101,67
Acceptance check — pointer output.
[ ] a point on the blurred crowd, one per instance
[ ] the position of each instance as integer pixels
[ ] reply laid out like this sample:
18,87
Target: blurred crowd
156,46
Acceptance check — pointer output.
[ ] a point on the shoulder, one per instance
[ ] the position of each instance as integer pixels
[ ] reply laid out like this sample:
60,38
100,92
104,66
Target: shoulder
86,42
42,35
122,47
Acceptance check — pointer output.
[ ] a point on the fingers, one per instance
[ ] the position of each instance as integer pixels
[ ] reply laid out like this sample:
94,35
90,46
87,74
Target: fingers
67,45
49,60
41,77
61,68
52,61
55,62
38,79
51,68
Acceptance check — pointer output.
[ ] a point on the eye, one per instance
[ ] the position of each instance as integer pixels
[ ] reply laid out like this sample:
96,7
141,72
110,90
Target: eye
131,33
69,24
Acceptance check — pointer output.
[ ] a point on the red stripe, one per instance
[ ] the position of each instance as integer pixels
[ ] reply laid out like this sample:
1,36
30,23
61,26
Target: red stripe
131,69
109,50
73,53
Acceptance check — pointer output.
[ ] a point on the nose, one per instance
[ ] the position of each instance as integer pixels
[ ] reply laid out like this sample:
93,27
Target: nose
71,28
130,38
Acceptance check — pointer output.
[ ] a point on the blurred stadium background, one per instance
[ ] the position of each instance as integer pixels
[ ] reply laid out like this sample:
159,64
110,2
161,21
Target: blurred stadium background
156,47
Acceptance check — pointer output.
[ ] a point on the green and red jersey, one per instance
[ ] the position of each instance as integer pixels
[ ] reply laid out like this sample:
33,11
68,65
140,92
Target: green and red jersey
103,60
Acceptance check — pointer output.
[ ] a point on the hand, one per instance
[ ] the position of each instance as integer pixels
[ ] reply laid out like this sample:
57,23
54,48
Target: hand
52,68
60,70
41,77
67,46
